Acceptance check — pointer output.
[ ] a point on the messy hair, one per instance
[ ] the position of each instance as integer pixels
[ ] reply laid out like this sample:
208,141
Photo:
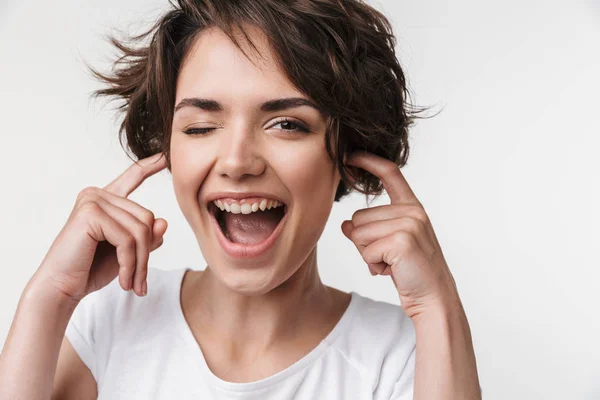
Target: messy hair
339,53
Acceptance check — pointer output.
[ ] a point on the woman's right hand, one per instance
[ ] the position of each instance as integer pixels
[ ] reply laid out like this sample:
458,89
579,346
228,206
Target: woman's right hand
105,235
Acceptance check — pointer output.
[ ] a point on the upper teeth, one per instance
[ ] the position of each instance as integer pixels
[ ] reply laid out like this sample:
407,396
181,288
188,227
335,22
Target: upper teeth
246,208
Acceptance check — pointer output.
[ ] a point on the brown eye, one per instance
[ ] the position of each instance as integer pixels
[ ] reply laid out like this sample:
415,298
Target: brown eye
292,125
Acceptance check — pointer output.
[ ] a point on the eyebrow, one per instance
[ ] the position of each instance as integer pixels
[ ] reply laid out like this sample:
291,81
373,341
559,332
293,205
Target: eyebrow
271,105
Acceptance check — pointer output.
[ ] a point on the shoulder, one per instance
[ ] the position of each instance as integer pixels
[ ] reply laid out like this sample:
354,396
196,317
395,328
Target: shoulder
112,317
377,326
111,312
113,298
379,340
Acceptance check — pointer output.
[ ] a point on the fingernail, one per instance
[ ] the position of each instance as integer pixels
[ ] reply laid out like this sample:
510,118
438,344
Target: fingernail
130,284
144,288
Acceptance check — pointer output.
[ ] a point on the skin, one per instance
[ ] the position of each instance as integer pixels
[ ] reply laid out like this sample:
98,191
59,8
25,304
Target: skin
258,315
398,240
253,318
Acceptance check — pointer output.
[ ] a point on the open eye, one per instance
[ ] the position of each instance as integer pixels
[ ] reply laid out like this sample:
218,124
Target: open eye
296,126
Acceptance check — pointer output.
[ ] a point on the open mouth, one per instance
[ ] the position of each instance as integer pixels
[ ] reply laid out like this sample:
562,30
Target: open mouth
246,235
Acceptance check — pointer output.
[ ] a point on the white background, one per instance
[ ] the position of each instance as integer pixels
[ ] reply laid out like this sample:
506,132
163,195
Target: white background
507,171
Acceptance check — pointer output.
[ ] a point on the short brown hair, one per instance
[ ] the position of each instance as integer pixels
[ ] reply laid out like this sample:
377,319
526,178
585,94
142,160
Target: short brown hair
340,53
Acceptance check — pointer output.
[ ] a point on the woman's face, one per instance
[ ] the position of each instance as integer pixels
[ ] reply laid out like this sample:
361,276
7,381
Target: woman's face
249,149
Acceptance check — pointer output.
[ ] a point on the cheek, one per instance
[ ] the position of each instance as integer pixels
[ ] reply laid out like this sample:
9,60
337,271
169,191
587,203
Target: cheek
189,167
311,179
308,171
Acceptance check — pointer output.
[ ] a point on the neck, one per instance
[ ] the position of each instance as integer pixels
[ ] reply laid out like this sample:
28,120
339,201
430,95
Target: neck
299,304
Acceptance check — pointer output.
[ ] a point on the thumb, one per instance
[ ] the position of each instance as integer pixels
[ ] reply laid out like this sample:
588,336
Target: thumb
347,228
158,230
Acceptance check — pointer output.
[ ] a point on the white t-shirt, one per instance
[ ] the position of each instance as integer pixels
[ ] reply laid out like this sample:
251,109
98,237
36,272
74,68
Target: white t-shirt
143,348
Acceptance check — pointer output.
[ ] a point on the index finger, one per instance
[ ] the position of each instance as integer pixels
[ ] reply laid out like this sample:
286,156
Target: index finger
387,171
137,173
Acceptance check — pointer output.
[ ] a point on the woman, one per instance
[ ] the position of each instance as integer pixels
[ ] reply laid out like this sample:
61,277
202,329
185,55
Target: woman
259,109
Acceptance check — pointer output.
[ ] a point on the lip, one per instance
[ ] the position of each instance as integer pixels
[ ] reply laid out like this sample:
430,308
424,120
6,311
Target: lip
245,251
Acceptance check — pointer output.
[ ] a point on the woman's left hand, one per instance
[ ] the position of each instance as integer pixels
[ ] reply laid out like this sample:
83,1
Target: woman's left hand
398,240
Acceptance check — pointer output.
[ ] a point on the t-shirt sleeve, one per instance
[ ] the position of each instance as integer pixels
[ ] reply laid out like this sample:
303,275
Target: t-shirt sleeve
404,386
80,332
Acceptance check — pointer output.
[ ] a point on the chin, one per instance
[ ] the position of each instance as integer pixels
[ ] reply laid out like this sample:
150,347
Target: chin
253,282
258,279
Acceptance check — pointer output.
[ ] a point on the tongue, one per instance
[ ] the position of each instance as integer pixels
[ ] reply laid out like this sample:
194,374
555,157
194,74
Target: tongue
251,228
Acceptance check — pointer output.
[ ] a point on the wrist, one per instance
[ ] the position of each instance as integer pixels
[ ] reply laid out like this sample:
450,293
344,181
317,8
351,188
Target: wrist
445,312
39,291
443,302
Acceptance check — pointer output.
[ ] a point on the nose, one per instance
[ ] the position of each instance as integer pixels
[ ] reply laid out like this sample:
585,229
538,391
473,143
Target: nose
239,154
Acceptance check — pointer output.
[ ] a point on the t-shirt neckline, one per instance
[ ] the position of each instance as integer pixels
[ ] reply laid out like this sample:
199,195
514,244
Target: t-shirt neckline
313,355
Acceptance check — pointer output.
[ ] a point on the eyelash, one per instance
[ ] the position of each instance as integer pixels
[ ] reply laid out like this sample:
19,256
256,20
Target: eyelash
300,128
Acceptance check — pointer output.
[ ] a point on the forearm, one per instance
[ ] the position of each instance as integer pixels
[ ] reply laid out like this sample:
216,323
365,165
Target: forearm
30,354
445,366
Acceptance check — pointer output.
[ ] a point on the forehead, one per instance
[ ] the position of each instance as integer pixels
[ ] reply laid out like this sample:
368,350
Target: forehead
215,66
